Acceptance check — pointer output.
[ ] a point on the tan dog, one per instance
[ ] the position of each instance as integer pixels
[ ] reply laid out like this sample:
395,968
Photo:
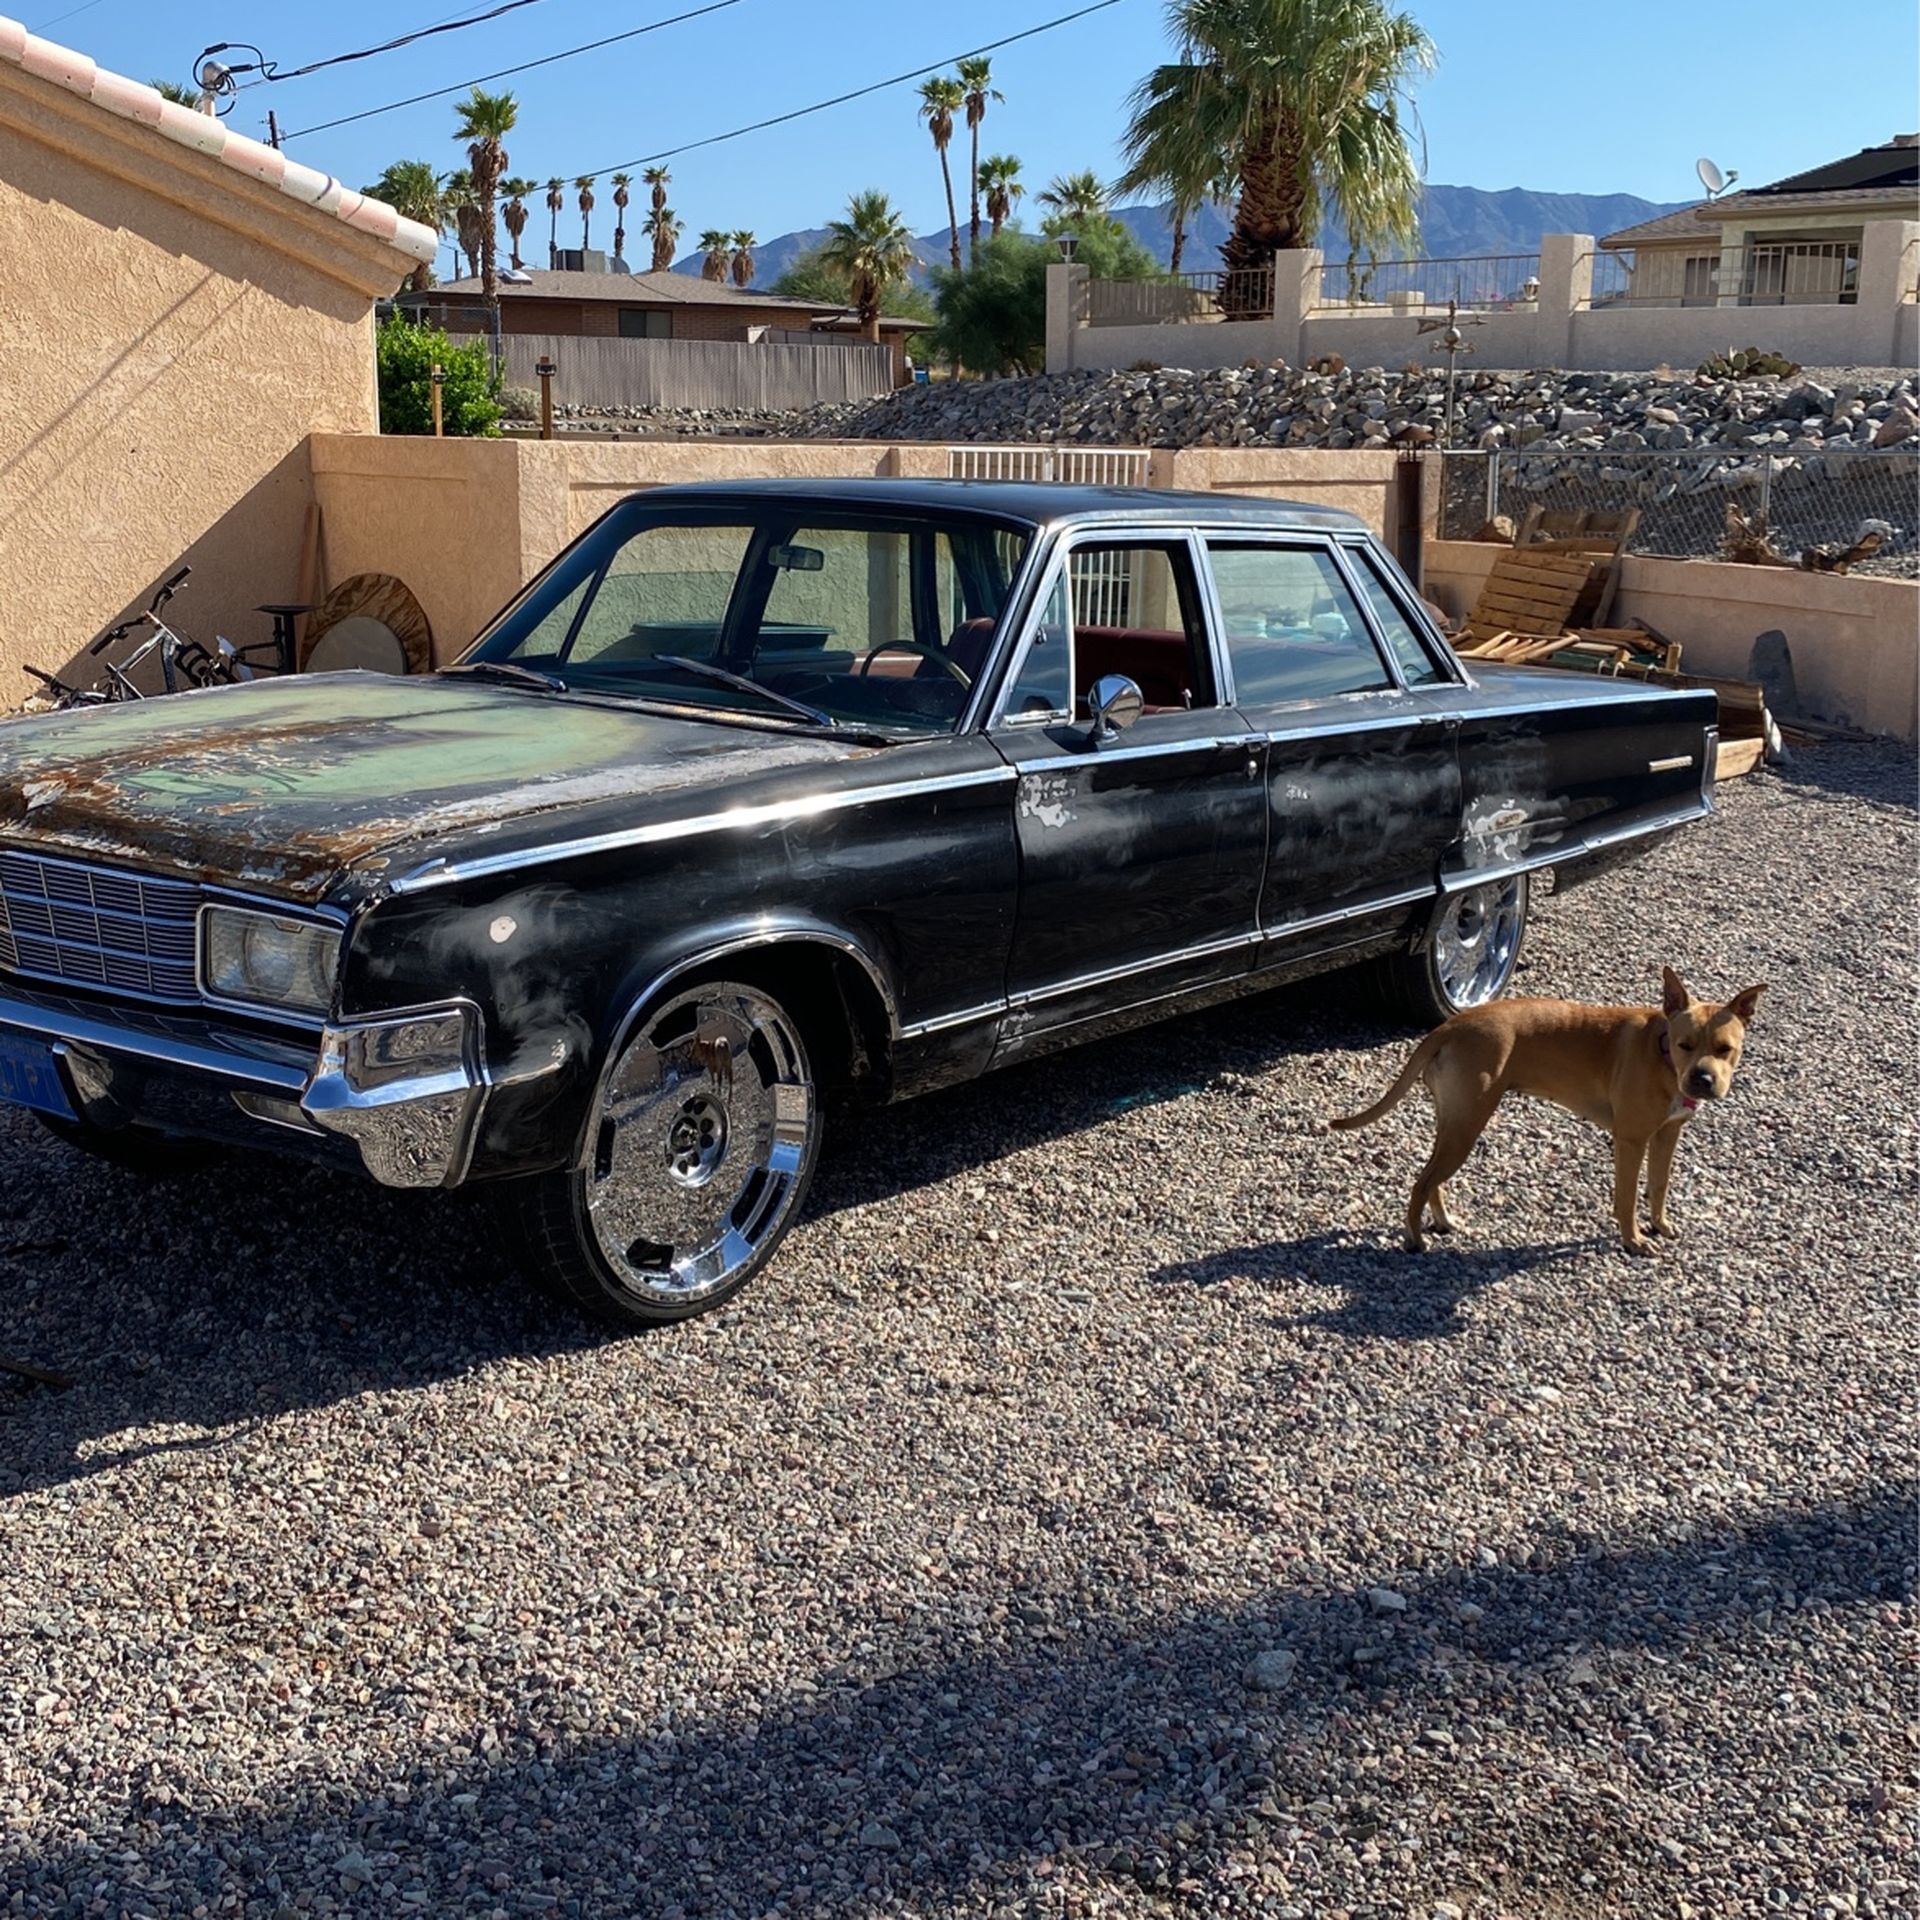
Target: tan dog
1639,1072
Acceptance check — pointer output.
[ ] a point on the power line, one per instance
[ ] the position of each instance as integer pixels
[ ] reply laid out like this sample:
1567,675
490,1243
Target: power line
87,7
526,66
446,25
859,93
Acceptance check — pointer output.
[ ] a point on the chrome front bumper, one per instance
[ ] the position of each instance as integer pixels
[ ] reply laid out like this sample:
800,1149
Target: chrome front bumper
406,1090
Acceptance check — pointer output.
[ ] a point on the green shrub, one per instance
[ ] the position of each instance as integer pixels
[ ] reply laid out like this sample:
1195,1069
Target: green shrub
469,396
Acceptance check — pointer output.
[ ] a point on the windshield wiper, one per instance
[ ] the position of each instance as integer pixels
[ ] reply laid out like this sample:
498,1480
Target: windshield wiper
706,670
511,672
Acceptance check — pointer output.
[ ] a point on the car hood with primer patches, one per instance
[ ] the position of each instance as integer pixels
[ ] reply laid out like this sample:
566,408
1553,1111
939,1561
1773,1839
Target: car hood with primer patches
282,786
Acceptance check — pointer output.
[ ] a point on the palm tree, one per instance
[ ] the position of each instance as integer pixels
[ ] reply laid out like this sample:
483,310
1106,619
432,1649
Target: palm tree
940,99
872,250
556,199
718,249
663,228
622,182
484,121
584,187
1298,103
514,215
463,215
742,262
657,178
999,181
174,91
976,77
413,189
1077,199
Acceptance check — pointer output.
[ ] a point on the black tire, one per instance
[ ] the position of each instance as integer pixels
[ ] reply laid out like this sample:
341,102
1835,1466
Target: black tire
1465,956
136,1150
703,1141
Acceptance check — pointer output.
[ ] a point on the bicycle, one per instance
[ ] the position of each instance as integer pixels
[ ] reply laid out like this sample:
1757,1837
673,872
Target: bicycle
181,656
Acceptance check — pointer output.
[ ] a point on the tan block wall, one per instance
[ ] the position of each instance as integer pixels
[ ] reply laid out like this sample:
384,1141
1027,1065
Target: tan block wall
171,334
1854,638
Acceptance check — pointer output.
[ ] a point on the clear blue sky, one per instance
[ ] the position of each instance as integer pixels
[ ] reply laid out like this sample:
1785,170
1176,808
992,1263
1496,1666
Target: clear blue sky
1616,99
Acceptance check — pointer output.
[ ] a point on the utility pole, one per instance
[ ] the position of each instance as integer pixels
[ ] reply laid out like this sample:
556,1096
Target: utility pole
273,131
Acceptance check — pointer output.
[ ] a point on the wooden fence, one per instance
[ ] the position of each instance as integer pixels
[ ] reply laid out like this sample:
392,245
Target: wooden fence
709,374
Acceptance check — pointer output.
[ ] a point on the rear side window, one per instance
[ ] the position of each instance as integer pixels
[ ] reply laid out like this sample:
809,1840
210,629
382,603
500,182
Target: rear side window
1294,632
1417,666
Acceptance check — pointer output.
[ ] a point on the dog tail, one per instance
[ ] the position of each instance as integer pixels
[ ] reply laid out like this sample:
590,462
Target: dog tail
1417,1063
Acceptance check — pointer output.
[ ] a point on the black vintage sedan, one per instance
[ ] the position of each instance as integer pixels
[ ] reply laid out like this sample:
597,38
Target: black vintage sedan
764,790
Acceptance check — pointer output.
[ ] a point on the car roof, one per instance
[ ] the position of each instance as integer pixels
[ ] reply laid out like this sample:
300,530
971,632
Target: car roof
1041,503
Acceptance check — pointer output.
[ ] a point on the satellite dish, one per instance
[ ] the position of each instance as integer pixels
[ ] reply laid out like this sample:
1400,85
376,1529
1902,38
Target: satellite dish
1712,178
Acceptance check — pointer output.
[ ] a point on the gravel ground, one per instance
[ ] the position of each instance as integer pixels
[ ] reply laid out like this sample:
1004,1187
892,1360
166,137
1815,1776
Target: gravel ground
1094,1513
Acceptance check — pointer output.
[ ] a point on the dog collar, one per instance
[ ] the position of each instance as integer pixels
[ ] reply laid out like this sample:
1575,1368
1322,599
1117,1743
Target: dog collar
1682,1103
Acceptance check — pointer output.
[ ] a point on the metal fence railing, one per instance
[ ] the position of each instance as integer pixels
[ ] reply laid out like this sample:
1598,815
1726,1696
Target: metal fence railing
1072,466
1660,277
1490,283
1705,503
1238,293
1812,273
1791,273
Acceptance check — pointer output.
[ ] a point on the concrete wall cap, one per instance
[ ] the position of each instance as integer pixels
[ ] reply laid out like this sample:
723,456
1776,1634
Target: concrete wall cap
133,100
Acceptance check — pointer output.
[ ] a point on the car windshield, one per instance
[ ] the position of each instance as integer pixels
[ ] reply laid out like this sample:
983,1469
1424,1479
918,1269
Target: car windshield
792,610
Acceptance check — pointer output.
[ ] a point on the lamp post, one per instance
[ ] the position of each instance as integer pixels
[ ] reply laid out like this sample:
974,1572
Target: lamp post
439,379
545,370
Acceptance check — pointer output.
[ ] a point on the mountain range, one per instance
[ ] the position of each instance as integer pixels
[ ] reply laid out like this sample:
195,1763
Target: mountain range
1455,223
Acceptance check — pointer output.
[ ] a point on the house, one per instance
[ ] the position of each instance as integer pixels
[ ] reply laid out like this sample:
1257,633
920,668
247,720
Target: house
184,308
650,306
1797,242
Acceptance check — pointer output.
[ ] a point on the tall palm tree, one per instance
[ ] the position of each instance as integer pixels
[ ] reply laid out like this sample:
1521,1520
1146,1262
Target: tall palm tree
412,188
1298,102
940,99
663,228
174,91
742,261
463,216
999,182
513,215
483,121
622,194
976,78
657,179
1077,199
717,247
584,187
556,200
872,250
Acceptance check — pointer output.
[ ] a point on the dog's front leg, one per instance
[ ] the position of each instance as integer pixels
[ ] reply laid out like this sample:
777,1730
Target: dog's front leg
1660,1174
1629,1152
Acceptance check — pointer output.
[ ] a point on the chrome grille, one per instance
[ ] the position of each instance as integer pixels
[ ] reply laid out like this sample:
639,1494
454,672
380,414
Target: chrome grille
97,927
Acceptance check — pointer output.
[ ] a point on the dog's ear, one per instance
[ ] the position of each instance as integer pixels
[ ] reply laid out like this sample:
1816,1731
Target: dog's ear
1742,1004
1674,997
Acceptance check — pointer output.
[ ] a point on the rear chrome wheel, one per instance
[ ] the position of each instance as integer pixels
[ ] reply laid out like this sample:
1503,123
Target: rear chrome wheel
701,1148
1467,955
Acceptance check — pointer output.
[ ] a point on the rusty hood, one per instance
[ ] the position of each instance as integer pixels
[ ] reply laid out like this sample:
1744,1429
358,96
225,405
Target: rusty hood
283,786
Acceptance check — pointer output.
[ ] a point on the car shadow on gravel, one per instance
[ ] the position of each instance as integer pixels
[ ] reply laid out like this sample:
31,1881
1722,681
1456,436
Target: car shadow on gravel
186,1311
1135,1746
1385,1292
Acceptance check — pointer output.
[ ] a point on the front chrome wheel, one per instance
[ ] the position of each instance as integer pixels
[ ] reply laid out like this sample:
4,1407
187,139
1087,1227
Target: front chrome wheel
1476,942
699,1152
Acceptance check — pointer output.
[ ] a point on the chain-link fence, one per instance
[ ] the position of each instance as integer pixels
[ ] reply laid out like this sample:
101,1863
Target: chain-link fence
1706,503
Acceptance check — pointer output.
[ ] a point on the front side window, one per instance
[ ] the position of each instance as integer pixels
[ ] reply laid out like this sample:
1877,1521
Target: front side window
872,620
1294,632
1410,654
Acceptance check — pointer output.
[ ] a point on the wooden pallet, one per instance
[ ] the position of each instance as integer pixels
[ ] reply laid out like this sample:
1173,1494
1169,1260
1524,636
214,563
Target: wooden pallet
1530,591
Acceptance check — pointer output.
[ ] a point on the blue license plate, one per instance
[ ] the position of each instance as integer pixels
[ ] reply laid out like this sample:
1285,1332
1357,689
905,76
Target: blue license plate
30,1076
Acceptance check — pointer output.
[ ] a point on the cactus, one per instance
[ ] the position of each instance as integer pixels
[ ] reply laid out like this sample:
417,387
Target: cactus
1748,364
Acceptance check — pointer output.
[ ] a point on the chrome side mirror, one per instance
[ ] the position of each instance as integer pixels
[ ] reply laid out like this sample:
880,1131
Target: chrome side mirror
1115,704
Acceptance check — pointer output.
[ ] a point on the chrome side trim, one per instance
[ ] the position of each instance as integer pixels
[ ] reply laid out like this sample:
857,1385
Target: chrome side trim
1567,852
1286,929
435,873
163,1049
1146,750
1133,968
945,1022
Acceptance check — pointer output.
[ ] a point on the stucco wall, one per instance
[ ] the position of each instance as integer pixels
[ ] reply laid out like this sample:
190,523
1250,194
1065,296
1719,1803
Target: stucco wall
171,333
1854,639
465,523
